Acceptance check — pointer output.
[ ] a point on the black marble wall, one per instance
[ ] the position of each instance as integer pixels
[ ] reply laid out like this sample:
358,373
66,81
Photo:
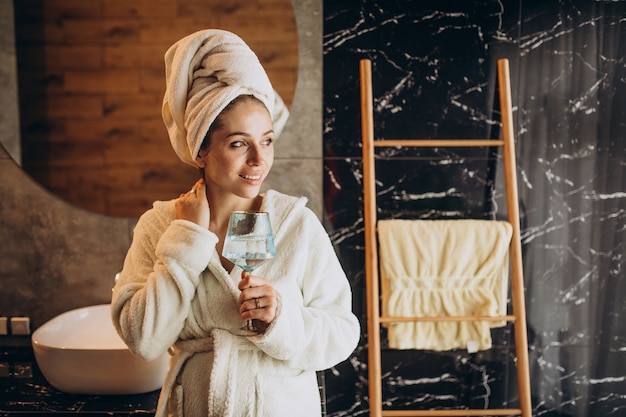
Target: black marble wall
435,77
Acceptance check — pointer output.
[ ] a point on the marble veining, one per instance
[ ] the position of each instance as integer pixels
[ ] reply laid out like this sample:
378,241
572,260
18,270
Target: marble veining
434,76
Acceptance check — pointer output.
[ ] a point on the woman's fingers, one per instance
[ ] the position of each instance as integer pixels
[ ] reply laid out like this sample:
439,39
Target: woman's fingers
193,205
257,299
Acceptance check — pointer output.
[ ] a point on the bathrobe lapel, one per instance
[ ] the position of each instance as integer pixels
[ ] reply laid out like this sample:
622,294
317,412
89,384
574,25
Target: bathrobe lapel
280,206
227,280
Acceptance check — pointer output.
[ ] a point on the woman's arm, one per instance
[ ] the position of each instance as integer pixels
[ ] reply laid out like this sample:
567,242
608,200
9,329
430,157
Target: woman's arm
314,328
152,297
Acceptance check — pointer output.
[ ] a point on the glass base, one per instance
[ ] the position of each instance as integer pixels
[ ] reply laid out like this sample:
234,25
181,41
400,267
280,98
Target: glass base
245,330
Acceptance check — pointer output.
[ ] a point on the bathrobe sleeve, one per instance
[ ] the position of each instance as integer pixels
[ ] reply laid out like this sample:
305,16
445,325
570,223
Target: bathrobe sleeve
315,328
161,271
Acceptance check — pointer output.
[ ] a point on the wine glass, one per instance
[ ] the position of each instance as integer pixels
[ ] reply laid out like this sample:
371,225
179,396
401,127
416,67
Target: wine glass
249,242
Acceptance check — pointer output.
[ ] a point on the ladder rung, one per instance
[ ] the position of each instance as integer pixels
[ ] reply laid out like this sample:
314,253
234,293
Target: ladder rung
395,319
443,413
437,142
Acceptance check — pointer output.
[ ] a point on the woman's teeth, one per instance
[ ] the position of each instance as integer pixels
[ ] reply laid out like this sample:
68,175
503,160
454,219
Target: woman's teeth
251,177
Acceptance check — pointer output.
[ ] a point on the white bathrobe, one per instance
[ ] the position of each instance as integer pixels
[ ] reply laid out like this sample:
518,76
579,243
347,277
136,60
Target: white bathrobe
173,293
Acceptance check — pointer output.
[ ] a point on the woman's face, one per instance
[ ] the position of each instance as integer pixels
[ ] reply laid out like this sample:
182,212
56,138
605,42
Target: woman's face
241,150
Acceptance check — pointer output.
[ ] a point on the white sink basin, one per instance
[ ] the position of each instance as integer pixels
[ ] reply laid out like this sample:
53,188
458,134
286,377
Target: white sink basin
80,352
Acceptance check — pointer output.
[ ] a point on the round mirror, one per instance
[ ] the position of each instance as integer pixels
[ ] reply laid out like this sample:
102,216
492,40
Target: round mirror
91,83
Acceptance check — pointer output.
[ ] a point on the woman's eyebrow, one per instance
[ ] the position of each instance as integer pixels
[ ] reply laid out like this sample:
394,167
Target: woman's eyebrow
247,134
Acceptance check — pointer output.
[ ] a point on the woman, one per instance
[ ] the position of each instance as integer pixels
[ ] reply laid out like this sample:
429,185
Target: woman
177,292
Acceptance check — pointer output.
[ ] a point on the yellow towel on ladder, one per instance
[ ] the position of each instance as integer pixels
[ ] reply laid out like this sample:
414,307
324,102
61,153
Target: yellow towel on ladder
443,268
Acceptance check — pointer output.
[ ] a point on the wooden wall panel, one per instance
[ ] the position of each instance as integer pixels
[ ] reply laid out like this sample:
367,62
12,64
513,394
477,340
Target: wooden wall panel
91,83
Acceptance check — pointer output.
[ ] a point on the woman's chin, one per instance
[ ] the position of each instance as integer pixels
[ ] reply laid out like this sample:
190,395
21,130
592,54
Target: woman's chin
249,192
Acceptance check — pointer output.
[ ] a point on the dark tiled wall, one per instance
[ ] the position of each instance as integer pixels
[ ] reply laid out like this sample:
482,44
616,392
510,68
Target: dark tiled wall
434,77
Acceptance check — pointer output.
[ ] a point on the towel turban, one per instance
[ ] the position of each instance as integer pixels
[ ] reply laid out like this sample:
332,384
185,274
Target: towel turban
203,73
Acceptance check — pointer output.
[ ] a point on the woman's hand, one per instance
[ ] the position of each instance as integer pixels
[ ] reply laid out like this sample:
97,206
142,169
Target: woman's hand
257,299
194,206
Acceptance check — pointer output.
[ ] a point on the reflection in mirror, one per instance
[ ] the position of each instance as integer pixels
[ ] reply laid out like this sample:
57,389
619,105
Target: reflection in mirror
9,117
91,83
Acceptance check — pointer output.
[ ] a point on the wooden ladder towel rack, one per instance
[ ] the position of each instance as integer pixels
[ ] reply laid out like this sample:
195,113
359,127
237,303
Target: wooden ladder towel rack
374,318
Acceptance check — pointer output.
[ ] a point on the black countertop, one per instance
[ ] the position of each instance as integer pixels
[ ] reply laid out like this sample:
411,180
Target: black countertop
25,391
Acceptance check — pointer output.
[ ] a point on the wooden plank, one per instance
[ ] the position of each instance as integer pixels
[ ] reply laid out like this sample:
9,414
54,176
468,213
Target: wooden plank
515,259
55,11
437,142
395,319
248,29
281,55
452,413
138,9
37,82
138,105
374,365
80,32
166,181
62,56
152,82
146,56
74,106
259,9
102,81
168,31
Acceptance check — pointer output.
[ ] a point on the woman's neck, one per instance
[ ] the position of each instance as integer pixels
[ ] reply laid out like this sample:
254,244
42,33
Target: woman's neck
222,205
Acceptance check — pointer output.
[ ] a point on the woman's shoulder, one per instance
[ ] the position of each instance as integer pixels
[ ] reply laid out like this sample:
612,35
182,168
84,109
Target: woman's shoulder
283,207
283,202
289,212
159,216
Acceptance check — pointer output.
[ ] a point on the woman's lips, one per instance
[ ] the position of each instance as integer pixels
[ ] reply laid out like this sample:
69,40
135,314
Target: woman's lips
251,177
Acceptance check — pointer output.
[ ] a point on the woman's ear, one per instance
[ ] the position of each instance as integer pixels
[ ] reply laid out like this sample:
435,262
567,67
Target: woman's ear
200,161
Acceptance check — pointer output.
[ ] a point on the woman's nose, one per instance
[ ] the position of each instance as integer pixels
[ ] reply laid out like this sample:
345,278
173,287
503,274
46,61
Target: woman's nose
255,156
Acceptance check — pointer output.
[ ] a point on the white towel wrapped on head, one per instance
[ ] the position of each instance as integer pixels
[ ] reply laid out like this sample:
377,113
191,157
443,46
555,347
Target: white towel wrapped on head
203,73
443,268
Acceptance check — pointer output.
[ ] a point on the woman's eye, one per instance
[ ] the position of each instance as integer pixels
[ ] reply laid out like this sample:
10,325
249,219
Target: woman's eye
268,141
237,144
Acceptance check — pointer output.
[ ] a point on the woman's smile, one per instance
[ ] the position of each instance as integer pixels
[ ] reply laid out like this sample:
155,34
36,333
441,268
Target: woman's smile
252,179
